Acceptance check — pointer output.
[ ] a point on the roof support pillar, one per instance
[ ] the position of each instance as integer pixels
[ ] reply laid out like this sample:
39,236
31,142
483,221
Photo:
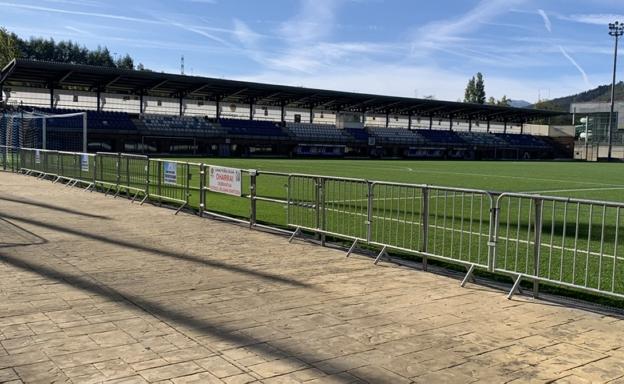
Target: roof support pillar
311,113
141,93
470,124
181,99
488,125
283,114
218,106
51,96
251,108
98,99
522,128
451,123
387,119
430,121
1,91
409,120
505,126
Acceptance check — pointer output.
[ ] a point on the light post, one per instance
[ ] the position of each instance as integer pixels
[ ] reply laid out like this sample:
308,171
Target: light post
616,30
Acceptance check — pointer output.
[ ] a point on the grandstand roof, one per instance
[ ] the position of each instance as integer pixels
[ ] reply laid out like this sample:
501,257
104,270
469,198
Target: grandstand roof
73,76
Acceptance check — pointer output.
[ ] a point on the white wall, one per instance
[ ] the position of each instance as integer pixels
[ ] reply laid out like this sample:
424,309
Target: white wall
65,99
36,97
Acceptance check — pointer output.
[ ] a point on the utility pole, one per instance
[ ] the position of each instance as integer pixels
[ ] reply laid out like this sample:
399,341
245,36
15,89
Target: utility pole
616,30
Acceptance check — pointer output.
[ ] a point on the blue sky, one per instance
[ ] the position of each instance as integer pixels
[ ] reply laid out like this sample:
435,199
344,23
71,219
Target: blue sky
525,48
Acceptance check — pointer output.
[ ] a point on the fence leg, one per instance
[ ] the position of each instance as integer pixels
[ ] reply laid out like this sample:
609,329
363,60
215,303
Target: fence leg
468,275
425,225
381,254
515,288
352,248
297,231
537,245
493,235
202,196
253,174
369,212
147,183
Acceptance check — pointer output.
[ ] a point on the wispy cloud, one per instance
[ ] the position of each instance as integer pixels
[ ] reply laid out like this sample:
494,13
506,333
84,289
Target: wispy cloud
580,69
594,18
451,31
547,23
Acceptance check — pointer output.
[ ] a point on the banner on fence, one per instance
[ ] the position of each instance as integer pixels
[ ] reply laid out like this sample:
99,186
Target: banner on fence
84,162
37,157
225,180
171,172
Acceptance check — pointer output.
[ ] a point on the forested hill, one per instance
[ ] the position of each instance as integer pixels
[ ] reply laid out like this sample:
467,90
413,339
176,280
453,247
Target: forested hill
601,93
37,48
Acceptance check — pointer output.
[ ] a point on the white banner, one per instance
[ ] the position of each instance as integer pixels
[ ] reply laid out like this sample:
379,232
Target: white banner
84,162
225,180
37,157
171,172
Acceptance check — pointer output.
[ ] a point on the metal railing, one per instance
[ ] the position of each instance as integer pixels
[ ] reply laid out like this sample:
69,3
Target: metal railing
571,243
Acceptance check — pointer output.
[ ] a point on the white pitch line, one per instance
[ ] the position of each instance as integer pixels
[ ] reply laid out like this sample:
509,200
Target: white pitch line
578,190
500,238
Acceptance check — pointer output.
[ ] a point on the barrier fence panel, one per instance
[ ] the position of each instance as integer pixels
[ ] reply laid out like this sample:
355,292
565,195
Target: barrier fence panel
268,198
51,163
344,207
231,205
304,201
123,173
78,167
569,242
9,158
173,181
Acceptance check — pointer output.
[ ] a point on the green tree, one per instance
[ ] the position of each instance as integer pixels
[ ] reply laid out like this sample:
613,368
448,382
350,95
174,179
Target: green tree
504,101
491,101
469,93
479,92
9,49
125,62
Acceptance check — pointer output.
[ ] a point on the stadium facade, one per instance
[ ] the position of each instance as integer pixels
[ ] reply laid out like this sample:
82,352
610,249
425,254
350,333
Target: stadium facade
158,113
592,129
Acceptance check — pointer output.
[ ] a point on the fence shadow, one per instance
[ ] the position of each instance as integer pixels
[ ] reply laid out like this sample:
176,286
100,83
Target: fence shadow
160,311
162,252
52,207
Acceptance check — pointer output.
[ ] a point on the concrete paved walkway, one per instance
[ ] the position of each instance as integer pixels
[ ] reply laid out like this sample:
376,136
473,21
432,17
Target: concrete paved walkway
95,289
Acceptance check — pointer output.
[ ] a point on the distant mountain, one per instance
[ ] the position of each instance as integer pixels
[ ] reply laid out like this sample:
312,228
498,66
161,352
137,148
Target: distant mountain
519,103
601,93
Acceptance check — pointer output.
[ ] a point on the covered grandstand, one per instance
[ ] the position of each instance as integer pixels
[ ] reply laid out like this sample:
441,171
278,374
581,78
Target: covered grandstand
150,112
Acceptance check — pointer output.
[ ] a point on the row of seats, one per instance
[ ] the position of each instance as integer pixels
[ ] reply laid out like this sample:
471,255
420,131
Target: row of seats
181,125
252,128
318,132
95,119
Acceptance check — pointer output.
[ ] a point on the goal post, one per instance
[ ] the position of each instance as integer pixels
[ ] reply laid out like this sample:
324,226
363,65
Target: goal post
63,132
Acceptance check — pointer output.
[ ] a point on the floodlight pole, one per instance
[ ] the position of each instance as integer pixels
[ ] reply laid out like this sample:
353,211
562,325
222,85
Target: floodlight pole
586,135
616,30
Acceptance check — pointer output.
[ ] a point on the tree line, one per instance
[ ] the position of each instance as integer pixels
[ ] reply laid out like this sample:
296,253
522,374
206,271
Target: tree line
37,48
475,93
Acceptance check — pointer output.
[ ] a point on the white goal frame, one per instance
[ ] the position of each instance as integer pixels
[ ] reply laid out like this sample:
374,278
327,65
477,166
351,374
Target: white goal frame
44,119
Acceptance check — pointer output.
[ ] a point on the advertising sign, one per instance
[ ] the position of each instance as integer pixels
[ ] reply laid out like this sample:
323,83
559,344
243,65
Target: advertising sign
171,172
225,180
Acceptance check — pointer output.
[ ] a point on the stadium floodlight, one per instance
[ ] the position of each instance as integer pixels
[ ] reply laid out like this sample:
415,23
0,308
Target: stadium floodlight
616,30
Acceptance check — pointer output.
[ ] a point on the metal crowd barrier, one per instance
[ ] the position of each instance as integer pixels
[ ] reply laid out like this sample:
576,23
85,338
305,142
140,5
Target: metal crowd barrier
171,181
573,243
123,173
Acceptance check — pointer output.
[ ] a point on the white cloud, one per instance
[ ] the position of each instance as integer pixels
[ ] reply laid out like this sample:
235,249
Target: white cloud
580,69
452,31
595,18
547,23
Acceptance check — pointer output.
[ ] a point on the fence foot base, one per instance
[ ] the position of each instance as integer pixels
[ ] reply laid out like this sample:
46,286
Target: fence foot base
381,255
469,276
297,232
352,248
516,287
179,209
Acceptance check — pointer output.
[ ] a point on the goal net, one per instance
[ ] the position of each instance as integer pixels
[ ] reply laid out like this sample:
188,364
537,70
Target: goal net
61,132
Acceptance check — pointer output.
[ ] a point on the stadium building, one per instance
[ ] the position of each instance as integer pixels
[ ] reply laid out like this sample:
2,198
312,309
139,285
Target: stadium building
592,130
157,113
